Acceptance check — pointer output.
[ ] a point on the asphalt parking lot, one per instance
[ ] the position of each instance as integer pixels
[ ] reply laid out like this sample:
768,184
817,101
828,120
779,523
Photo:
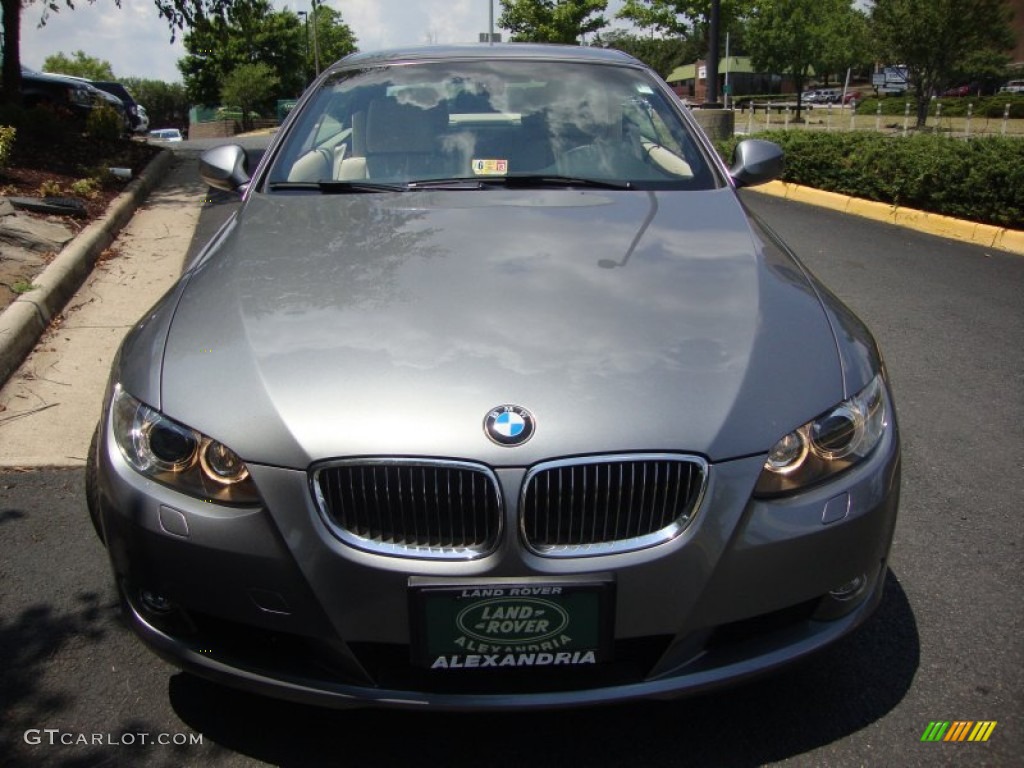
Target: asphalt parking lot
945,644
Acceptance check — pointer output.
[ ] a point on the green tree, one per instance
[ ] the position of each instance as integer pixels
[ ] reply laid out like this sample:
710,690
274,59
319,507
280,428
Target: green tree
79,65
552,21
178,13
334,38
251,87
166,104
250,31
938,40
791,36
686,18
662,54
846,43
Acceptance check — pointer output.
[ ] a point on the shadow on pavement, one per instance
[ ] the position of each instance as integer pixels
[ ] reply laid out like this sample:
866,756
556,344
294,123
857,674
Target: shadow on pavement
55,627
834,693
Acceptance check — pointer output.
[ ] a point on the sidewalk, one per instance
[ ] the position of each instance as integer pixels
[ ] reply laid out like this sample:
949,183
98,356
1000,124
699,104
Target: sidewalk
50,406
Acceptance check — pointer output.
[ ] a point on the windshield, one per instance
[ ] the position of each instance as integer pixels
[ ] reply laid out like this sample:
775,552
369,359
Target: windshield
488,122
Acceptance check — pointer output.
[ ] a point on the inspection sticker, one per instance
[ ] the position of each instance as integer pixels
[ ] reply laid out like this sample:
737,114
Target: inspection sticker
490,167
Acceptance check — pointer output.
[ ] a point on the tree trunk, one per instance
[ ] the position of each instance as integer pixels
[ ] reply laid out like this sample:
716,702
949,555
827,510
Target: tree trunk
10,90
922,110
798,81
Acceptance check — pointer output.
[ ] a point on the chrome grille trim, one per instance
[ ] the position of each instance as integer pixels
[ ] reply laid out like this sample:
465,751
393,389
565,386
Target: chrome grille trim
416,508
602,505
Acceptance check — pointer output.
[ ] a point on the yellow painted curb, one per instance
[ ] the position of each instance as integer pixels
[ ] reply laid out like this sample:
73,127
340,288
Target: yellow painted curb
869,209
986,235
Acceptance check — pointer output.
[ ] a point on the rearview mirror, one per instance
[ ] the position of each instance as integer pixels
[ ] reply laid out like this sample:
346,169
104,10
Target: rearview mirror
225,167
756,161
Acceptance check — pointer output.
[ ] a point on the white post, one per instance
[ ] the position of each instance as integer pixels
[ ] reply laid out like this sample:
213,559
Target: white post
906,117
828,118
878,116
750,119
316,46
1006,119
768,116
970,114
938,114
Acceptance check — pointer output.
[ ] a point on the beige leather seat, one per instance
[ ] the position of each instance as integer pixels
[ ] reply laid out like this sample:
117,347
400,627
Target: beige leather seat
402,141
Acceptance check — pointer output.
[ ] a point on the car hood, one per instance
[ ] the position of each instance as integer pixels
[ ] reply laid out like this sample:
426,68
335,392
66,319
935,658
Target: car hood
391,324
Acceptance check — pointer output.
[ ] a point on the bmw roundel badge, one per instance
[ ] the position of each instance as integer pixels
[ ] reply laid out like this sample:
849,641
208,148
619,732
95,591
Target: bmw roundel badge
509,425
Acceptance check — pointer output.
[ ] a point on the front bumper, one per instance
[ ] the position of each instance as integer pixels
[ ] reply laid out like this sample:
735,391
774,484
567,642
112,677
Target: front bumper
270,601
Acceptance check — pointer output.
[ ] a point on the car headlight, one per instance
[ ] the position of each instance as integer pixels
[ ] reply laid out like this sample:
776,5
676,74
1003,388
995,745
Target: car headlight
836,440
79,96
179,456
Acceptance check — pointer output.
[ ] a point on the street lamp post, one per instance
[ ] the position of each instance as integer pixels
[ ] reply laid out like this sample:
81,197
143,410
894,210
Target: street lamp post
305,21
711,99
316,46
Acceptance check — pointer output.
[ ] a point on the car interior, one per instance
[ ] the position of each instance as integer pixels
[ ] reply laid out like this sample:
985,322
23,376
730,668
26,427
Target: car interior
404,133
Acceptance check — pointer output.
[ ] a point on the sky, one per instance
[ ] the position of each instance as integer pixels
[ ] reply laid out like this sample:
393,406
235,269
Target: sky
136,41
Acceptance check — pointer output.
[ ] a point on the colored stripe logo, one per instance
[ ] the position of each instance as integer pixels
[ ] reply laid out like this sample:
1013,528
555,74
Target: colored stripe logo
958,730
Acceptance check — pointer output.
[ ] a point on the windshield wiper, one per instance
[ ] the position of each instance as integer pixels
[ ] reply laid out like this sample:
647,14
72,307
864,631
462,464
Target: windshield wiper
337,187
456,183
522,181
555,180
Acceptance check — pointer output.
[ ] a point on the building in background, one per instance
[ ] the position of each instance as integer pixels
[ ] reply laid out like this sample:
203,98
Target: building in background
690,80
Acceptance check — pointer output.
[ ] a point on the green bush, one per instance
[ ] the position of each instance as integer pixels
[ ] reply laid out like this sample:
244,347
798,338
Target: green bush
981,179
983,106
994,106
87,188
40,125
104,124
7,134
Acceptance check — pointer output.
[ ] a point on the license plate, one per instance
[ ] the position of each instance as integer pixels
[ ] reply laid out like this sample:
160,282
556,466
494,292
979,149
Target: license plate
508,626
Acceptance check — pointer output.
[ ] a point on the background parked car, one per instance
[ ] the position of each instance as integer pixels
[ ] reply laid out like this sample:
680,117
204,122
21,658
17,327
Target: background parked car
59,92
110,99
166,134
957,91
822,96
143,125
131,106
1014,86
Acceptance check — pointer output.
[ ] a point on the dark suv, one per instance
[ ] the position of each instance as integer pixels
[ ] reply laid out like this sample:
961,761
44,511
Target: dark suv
59,91
114,99
131,107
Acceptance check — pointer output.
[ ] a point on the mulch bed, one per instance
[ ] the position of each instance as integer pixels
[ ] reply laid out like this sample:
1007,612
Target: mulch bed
34,169
32,165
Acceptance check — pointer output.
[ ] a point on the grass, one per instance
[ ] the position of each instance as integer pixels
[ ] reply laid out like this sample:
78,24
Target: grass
23,286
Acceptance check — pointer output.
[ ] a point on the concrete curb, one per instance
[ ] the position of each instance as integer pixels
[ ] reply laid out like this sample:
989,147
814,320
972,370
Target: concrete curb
24,321
985,235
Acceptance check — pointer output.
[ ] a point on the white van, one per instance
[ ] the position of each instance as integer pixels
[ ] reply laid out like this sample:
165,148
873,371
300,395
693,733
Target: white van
165,134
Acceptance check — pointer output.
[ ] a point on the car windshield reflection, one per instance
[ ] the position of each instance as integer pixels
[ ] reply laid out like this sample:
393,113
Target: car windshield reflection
532,120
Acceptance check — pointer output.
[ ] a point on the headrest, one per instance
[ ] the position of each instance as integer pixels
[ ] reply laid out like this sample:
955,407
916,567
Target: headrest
392,127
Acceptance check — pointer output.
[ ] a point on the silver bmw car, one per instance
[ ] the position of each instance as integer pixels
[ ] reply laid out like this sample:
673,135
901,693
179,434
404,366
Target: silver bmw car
491,394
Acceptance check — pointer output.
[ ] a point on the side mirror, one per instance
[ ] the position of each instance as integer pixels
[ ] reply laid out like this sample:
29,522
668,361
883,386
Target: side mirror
225,167
756,161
